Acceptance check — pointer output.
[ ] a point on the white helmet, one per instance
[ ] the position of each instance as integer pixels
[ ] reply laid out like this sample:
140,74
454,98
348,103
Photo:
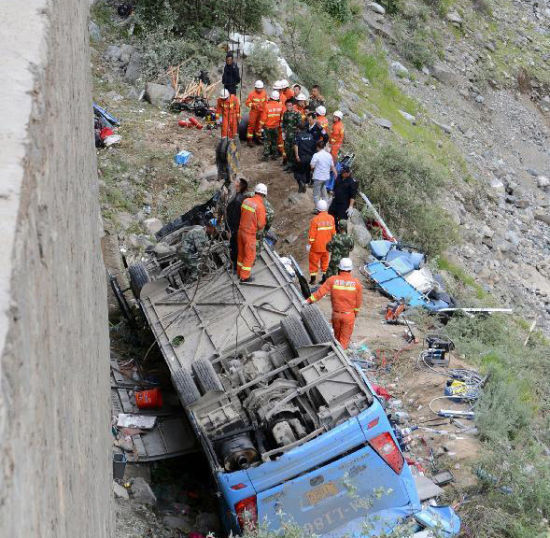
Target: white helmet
284,83
338,114
224,94
321,110
345,264
258,84
277,85
322,205
275,95
261,189
301,97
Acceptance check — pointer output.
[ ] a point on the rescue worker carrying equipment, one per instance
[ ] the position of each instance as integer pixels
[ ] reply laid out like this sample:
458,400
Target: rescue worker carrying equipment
346,294
336,135
322,120
270,121
255,102
321,231
228,113
253,220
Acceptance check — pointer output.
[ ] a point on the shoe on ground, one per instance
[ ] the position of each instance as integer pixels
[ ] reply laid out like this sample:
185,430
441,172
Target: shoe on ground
301,187
312,280
249,143
324,278
246,280
265,157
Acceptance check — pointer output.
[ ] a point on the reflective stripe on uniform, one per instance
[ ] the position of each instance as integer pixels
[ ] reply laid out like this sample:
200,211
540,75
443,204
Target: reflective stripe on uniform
346,288
312,299
243,267
326,228
249,208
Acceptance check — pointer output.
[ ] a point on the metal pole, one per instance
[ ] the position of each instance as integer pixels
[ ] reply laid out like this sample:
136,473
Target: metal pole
378,218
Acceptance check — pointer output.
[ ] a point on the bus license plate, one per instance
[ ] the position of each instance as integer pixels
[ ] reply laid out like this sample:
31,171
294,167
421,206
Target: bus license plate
316,495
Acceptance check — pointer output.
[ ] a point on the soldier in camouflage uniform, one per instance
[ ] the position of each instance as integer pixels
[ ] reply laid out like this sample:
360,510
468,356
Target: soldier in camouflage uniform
315,99
290,124
339,247
193,247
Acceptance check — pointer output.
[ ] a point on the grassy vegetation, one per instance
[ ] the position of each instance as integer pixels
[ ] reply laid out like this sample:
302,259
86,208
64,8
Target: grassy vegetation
461,277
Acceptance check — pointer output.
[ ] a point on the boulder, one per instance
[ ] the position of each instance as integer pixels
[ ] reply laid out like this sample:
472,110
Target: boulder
271,28
399,69
361,236
443,74
543,217
442,126
152,225
407,116
158,94
112,53
120,492
454,18
133,70
381,122
210,174
141,492
377,8
543,182
126,52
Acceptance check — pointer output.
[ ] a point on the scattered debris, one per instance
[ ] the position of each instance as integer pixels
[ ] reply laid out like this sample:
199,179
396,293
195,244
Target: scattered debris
182,158
144,422
141,492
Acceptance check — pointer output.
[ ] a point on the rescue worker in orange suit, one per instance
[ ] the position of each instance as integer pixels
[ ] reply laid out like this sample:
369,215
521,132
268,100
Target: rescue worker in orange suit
336,135
300,106
253,220
346,295
322,120
228,113
285,91
255,102
321,231
270,122
278,85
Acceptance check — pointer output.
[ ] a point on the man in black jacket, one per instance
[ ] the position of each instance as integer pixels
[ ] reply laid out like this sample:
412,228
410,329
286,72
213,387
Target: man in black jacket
233,217
305,148
344,190
231,76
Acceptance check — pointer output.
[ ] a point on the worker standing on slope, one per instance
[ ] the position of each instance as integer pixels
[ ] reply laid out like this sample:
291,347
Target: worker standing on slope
344,190
315,98
271,122
255,102
321,231
231,76
336,135
300,107
233,218
253,221
285,91
340,246
290,126
346,295
322,119
228,113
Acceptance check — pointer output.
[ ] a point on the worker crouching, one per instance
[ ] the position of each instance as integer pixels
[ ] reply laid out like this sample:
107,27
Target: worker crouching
346,294
253,220
321,231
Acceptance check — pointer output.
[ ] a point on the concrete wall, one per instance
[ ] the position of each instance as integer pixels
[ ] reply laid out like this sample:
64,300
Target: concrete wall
55,470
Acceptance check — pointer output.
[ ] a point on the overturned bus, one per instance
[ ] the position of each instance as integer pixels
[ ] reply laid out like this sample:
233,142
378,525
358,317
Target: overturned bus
291,428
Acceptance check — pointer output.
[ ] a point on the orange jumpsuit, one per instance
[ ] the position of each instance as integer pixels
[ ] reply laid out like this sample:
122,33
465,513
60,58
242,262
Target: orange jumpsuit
336,139
285,95
302,111
253,220
255,102
346,294
321,231
323,122
230,111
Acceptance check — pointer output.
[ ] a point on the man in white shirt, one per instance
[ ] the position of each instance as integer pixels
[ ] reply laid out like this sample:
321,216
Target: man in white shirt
321,164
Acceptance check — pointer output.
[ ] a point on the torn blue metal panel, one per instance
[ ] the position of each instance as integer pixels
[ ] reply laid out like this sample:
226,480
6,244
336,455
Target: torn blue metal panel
397,287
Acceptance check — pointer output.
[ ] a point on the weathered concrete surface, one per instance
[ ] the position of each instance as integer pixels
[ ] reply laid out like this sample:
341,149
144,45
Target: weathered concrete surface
55,473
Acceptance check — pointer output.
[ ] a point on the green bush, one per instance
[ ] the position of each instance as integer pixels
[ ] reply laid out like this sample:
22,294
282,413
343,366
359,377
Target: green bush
341,10
263,63
309,54
234,15
417,42
398,180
